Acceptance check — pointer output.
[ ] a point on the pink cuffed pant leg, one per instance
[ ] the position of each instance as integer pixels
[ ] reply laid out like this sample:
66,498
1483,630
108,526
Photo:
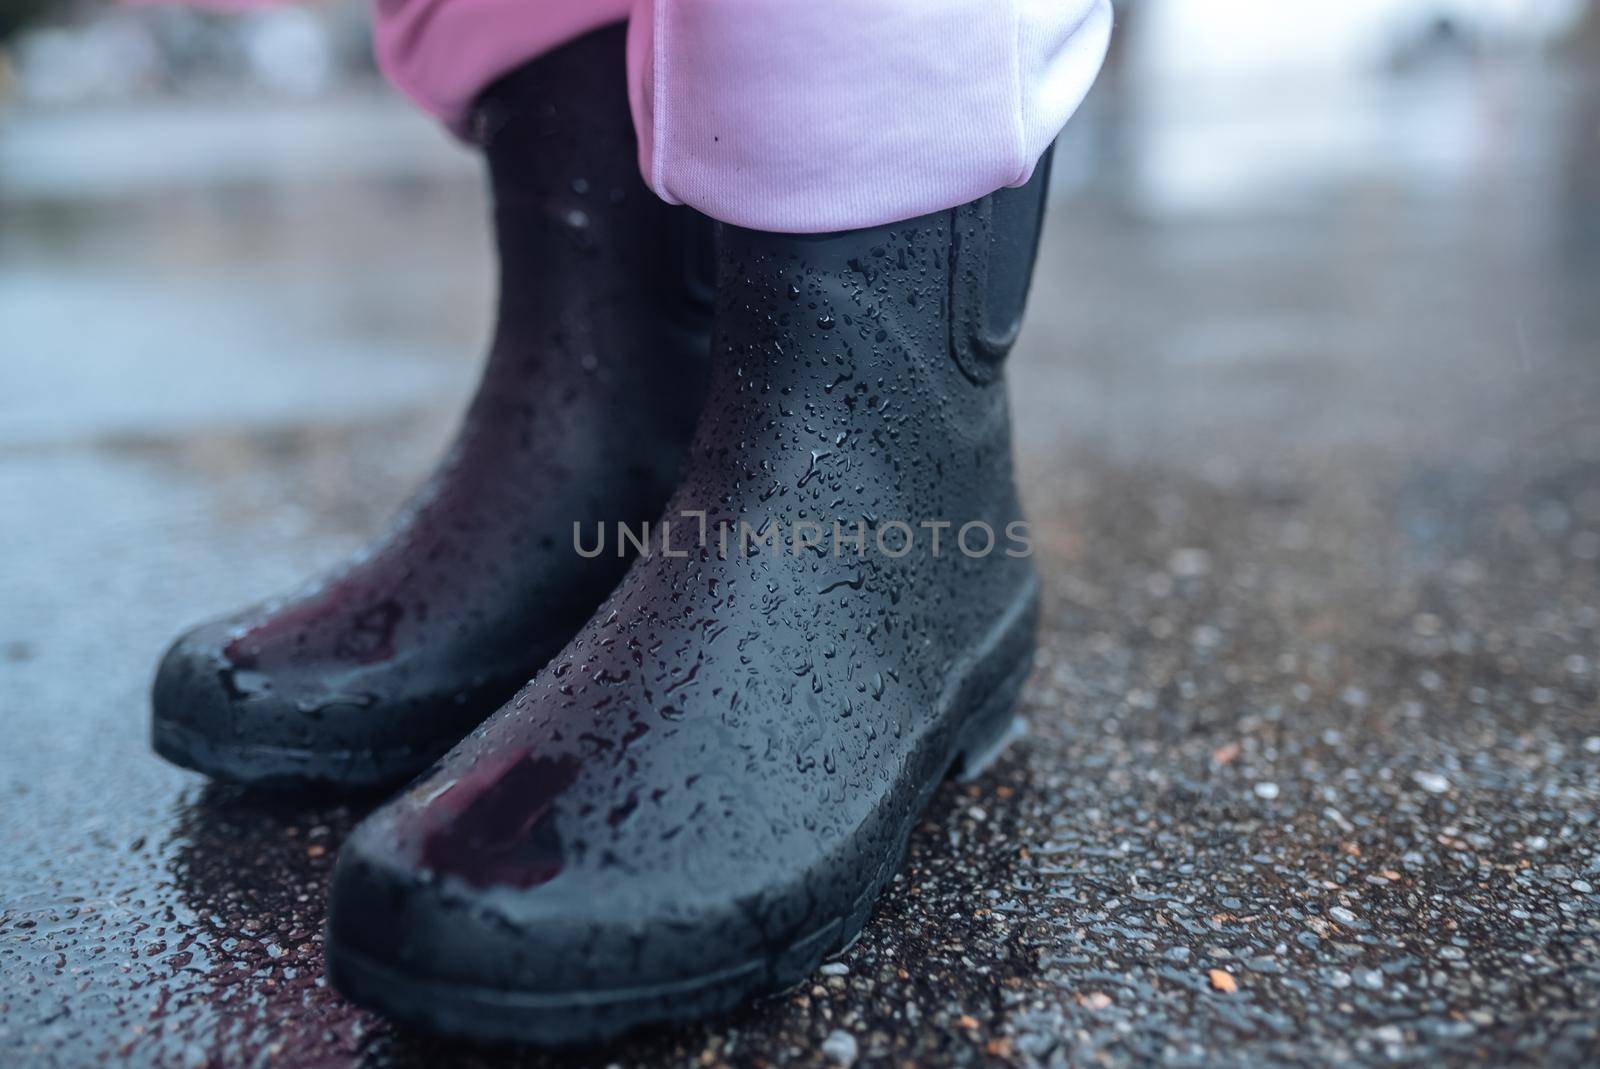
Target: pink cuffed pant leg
815,115
443,53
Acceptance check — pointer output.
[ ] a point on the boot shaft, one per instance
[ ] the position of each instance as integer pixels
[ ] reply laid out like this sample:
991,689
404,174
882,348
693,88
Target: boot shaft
573,219
888,341
951,284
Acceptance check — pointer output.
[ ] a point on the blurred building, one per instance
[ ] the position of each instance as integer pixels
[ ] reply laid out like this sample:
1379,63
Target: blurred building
63,53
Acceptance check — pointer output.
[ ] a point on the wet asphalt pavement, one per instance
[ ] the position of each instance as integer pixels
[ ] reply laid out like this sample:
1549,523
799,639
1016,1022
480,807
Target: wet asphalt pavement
1313,454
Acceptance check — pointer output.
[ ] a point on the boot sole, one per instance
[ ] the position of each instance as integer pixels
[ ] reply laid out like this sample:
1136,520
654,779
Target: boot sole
282,768
989,688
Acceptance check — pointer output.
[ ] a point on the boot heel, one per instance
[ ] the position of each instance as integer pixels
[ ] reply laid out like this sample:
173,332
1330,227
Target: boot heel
993,727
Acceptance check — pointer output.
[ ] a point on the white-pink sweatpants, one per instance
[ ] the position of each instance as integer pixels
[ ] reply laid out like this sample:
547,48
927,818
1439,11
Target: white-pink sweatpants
793,115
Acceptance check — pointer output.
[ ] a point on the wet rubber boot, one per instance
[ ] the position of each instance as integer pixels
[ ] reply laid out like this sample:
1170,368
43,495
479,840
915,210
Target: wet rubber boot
587,403
703,794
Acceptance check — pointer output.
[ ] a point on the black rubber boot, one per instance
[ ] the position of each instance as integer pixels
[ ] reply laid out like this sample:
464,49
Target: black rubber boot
587,403
704,793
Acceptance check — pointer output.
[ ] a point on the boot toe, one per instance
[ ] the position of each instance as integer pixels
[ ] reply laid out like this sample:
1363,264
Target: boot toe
214,717
436,926
248,726
193,699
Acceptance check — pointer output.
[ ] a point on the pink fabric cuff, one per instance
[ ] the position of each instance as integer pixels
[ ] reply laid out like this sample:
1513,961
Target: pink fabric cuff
834,114
443,53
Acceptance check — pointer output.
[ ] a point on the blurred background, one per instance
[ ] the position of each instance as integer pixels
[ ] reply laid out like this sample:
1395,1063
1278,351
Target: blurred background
1308,416
227,220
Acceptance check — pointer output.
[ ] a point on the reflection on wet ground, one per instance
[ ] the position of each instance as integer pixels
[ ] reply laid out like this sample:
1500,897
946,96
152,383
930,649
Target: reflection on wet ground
1314,771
